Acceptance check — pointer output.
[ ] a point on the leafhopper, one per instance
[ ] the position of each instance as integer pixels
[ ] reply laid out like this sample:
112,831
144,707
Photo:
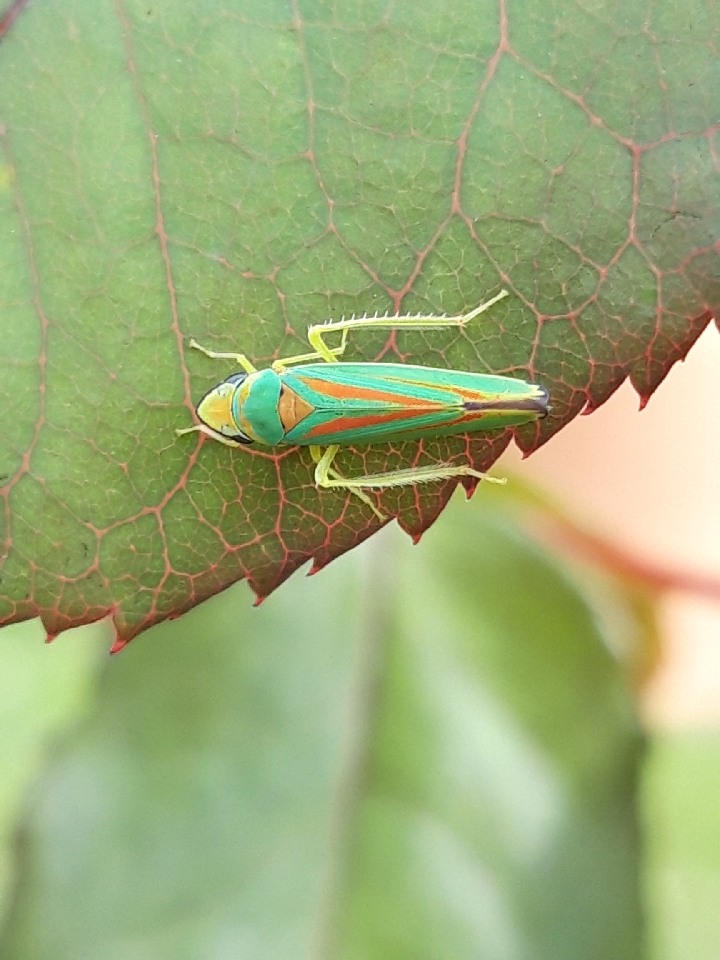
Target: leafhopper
329,404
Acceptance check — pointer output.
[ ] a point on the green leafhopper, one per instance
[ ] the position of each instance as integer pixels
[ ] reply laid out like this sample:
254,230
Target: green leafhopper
328,404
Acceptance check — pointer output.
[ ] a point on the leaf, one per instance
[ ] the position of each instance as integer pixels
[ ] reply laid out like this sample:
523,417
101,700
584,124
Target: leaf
436,765
679,799
234,171
41,694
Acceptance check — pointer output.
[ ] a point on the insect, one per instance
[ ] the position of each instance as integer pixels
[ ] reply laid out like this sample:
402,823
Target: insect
332,403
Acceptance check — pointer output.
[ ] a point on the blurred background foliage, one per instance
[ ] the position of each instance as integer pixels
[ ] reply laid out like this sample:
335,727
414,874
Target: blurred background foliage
424,752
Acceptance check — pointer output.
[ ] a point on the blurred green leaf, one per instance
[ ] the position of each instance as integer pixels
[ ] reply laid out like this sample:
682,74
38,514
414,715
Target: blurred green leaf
43,692
422,753
680,800
234,170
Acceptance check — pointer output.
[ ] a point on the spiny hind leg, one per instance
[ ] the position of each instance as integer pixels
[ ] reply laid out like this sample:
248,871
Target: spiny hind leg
420,322
326,477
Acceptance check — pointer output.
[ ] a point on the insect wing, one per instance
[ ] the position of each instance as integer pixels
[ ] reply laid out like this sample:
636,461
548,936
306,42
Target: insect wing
359,403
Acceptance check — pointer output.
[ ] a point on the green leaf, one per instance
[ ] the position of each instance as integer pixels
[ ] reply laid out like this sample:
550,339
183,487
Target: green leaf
42,693
236,170
683,843
439,765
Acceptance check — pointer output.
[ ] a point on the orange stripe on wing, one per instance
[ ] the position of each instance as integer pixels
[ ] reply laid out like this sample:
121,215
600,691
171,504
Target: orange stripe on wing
341,423
457,395
341,391
359,423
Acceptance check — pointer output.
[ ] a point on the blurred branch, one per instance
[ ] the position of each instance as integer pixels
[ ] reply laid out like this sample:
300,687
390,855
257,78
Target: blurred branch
552,524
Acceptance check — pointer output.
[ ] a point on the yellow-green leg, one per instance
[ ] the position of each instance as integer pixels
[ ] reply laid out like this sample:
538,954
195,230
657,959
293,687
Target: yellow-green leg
420,322
330,355
240,358
327,477
336,479
322,351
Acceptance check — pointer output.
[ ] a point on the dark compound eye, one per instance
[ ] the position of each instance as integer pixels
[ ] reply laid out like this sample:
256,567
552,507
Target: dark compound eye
240,438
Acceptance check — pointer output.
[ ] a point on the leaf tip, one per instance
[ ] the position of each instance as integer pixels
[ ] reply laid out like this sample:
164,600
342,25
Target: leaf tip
118,645
260,594
470,486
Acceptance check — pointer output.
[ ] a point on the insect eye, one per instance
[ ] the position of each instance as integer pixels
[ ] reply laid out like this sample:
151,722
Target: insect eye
238,437
236,378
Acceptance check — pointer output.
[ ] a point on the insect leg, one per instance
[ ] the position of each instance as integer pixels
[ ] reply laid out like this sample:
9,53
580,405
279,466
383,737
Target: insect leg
325,470
396,478
279,365
240,358
419,322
